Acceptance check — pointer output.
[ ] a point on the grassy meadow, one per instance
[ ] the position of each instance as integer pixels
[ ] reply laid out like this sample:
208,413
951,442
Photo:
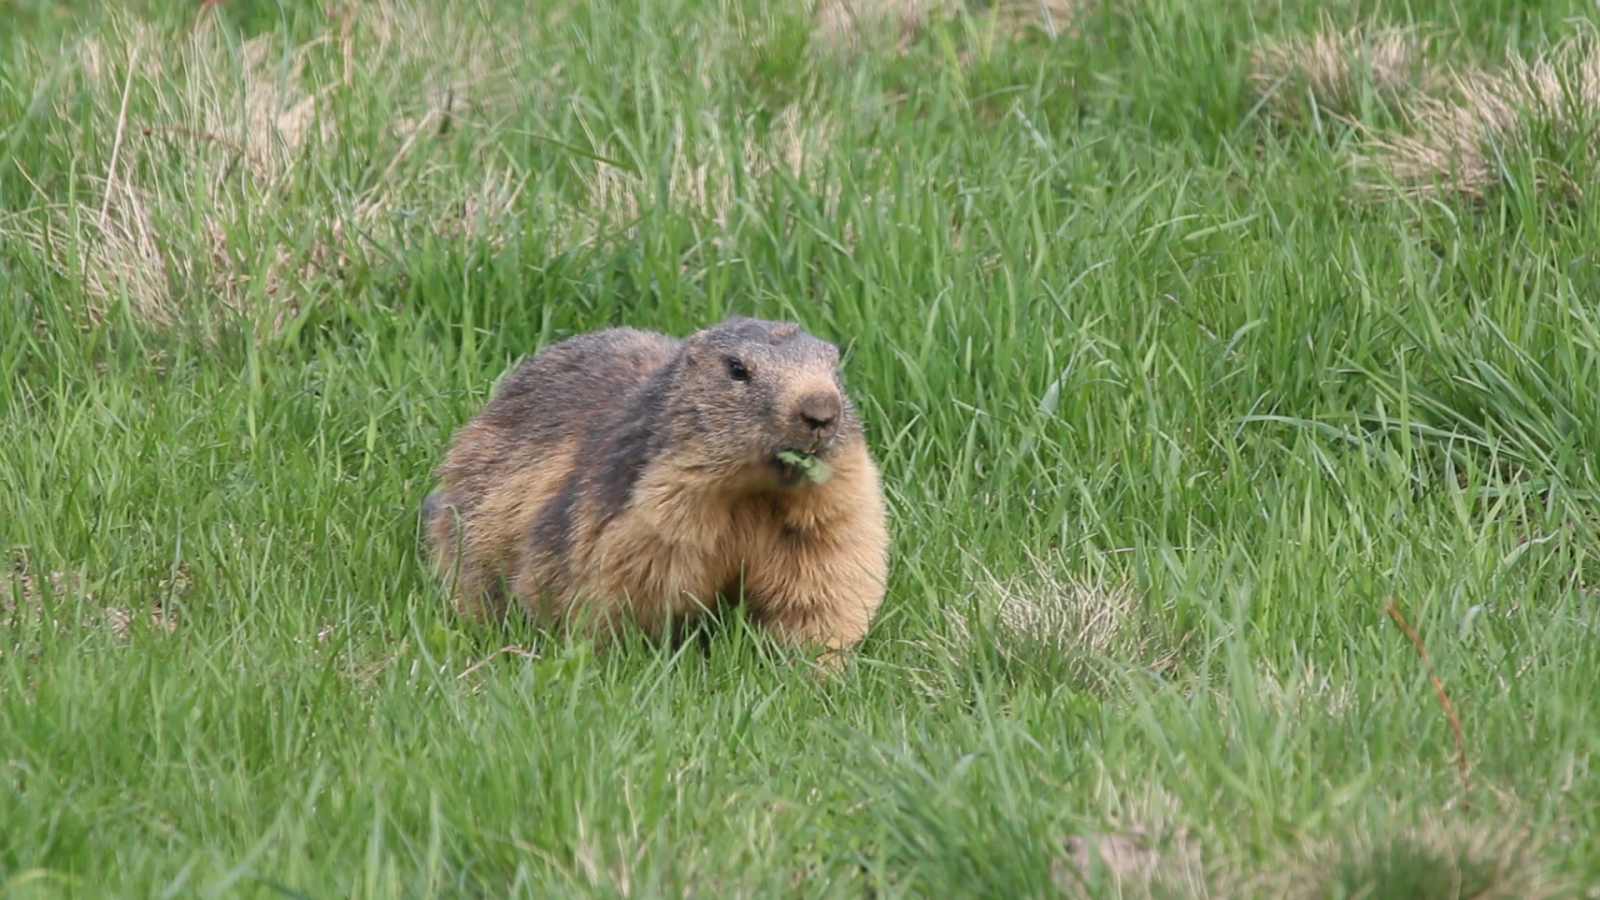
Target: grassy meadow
1221,357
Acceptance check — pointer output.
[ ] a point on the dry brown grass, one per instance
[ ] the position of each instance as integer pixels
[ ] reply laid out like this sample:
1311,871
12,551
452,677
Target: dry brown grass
1134,864
1144,849
1461,129
850,27
125,257
1545,109
706,172
455,73
468,69
1447,860
262,107
1335,69
133,236
184,216
1053,18
1308,691
23,594
26,598
1081,628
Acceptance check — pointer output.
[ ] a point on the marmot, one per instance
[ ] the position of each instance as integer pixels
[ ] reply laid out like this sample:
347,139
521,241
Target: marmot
625,474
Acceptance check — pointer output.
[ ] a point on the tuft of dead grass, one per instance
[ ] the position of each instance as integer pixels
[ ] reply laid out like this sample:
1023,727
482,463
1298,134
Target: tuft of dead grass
1544,110
1144,849
123,621
1082,628
256,107
709,175
23,594
26,598
1461,131
1432,860
282,113
1135,863
207,140
152,241
851,27
461,70
125,258
1337,69
1307,691
1052,18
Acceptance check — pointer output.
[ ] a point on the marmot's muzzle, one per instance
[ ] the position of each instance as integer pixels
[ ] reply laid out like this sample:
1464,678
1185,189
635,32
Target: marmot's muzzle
819,417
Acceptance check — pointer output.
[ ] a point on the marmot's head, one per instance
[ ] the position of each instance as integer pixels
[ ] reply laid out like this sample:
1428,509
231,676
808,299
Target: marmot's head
749,390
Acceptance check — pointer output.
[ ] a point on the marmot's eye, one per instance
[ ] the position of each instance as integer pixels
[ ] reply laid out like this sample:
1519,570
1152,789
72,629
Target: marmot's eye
737,371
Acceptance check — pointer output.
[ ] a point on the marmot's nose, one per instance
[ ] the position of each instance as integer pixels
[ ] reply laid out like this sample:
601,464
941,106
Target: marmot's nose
820,412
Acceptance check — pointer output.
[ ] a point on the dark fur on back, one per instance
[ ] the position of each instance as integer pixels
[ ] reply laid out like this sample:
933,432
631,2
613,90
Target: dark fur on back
586,398
571,392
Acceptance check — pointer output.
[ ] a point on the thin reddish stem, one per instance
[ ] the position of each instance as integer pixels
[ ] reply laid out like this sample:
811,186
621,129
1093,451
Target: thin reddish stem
1444,699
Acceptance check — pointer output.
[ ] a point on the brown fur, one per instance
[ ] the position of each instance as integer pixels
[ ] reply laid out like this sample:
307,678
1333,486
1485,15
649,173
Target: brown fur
626,475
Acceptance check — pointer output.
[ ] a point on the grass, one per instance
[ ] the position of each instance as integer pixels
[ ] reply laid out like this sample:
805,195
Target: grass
1172,395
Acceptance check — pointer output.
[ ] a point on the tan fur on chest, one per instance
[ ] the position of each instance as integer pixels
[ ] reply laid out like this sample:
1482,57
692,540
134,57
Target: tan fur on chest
685,540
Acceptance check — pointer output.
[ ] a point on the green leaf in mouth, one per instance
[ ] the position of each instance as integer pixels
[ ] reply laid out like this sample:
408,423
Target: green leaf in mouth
813,468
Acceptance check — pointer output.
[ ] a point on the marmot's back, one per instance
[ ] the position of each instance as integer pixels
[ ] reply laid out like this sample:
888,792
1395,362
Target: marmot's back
554,399
629,475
